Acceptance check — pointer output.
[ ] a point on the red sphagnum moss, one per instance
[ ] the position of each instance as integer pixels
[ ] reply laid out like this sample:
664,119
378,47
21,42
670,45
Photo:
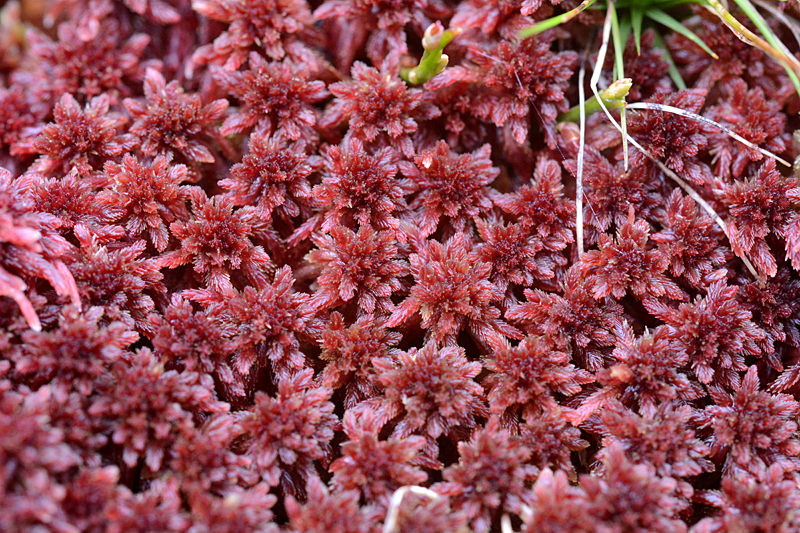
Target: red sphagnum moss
251,280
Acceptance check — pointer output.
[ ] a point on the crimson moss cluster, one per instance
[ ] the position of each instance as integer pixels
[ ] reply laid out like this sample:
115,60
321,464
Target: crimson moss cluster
252,281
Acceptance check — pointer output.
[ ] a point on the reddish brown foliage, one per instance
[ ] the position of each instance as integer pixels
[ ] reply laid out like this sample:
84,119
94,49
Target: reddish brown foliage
158,508
383,21
431,392
349,353
86,69
516,256
152,194
523,78
286,434
191,340
372,466
363,265
30,247
162,408
760,503
630,497
453,292
33,455
361,188
575,321
673,139
714,333
665,439
556,505
736,59
253,281
758,207
491,477
611,192
532,376
81,139
324,512
647,67
542,208
118,280
628,264
692,241
266,322
170,121
20,115
215,241
551,440
271,25
247,510
750,115
89,15
775,308
274,177
379,108
503,16
647,372
450,186
206,462
275,98
756,429
76,354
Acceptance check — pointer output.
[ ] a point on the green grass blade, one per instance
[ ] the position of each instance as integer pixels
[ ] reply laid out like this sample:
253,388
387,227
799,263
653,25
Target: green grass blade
554,21
662,18
619,60
770,37
665,6
793,78
674,74
637,15
619,52
791,23
591,106
624,29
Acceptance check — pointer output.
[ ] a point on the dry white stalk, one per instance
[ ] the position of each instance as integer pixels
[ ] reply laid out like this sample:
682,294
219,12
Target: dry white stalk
700,118
779,15
505,524
390,524
779,54
601,58
579,177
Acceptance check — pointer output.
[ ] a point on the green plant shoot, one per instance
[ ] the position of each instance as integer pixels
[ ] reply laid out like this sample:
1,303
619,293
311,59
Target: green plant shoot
613,97
433,61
